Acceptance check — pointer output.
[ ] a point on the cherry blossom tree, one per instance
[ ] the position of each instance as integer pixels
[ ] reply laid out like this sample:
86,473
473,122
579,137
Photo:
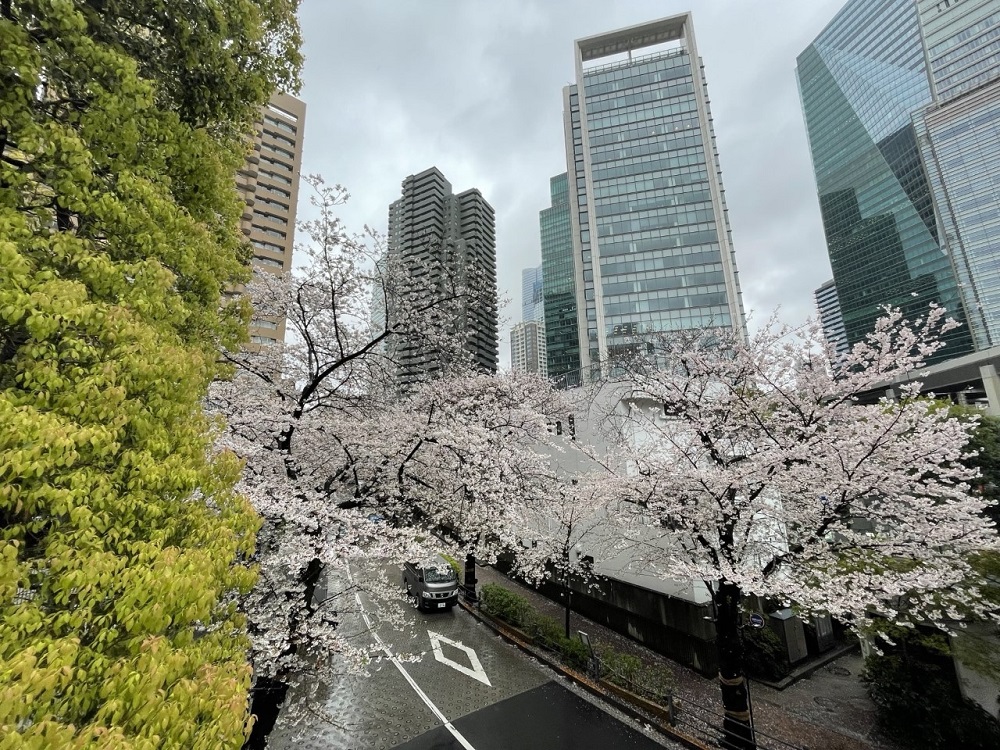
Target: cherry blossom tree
342,466
564,533
775,480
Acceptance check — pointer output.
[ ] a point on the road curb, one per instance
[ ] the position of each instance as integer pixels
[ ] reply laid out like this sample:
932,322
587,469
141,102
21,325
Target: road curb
807,669
514,637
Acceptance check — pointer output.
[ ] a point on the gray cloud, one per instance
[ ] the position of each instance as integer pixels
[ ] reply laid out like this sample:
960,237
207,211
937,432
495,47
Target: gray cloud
475,88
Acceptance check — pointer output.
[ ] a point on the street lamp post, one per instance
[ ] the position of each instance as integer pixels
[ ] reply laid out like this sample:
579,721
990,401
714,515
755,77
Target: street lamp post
469,585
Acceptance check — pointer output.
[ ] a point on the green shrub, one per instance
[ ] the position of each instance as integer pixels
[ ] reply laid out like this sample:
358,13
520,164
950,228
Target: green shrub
575,654
546,631
619,668
550,634
504,604
657,682
764,655
918,701
653,681
454,565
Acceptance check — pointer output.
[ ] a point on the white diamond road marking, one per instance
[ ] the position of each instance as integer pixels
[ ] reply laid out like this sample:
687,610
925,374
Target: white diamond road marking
476,672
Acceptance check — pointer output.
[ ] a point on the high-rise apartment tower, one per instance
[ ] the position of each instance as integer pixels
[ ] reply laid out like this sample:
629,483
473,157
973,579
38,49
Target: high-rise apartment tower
269,184
652,246
437,237
527,347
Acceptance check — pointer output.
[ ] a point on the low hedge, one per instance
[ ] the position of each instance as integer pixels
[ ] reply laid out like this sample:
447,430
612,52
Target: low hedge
654,681
504,604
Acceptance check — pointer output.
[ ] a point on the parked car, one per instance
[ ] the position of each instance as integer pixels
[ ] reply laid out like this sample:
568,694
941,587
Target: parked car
433,584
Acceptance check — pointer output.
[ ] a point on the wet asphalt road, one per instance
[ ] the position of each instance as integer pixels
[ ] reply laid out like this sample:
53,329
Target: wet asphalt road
471,691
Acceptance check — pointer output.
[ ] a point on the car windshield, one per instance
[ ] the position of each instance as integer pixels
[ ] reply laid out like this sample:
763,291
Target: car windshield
439,575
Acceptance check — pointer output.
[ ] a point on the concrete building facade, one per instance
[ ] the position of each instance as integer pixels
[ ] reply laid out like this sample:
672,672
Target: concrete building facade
437,237
651,240
269,186
527,348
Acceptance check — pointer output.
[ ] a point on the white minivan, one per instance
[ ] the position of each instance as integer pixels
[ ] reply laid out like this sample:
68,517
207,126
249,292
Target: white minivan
433,584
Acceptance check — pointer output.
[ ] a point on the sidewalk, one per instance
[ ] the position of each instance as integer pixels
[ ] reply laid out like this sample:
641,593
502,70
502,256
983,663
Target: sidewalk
829,710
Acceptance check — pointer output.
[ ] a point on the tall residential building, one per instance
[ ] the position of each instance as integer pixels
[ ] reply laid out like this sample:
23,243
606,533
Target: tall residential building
652,245
440,238
830,317
902,106
562,341
527,348
269,184
532,306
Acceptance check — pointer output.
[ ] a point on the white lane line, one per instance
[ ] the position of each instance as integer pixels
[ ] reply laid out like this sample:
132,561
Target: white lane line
406,675
476,672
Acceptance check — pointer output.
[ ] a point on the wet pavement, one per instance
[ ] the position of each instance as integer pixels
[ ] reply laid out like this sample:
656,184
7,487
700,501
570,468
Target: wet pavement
470,691
549,716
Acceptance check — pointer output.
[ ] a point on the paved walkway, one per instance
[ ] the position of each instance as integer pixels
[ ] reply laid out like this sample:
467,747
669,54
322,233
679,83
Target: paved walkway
829,710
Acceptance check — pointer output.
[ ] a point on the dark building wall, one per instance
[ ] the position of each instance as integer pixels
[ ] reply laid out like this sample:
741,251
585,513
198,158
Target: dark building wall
676,628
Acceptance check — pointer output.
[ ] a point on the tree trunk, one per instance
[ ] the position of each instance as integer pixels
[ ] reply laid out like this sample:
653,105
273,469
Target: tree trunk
268,695
568,592
736,725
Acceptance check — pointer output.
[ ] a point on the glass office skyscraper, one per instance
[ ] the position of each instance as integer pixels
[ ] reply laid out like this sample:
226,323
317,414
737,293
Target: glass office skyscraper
532,307
960,138
559,287
652,246
903,115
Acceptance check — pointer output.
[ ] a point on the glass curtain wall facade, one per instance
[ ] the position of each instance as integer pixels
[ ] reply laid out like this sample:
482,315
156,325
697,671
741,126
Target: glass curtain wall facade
653,248
532,306
960,136
559,287
864,84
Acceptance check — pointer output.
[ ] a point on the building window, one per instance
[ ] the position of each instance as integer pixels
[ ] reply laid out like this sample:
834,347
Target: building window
270,262
280,124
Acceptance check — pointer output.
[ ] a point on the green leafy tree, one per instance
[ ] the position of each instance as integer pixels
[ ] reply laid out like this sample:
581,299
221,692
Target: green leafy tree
122,123
985,441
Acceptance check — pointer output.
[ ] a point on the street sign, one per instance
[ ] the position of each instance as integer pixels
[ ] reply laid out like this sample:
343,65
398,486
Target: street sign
757,620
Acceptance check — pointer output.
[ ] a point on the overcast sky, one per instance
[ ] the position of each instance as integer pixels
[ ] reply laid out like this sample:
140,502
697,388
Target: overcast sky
474,87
